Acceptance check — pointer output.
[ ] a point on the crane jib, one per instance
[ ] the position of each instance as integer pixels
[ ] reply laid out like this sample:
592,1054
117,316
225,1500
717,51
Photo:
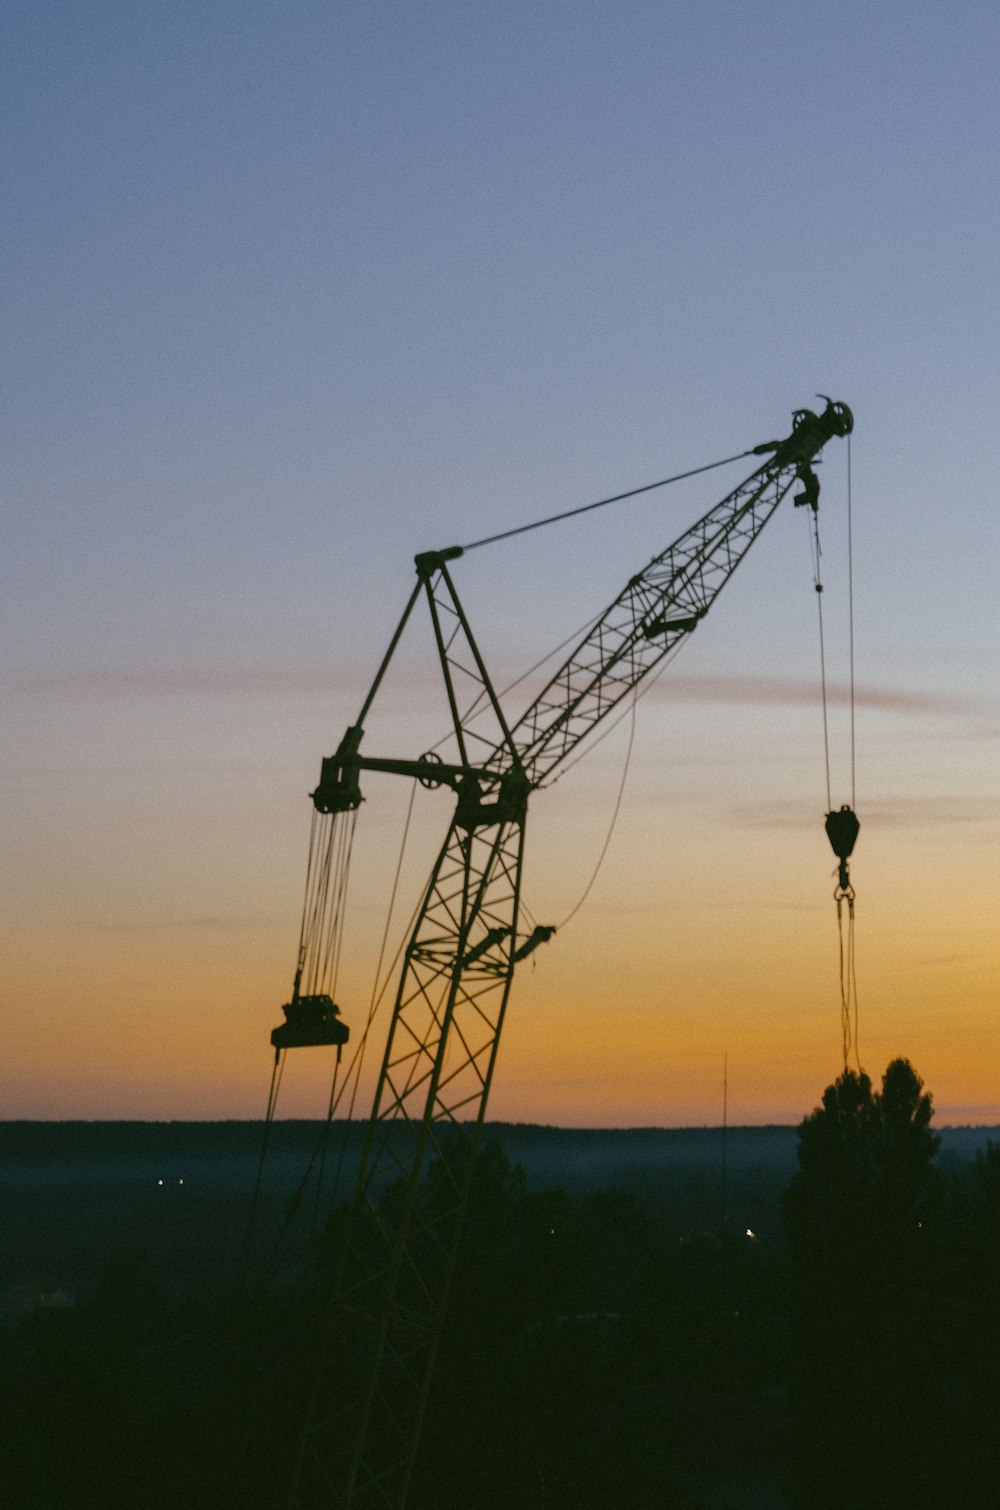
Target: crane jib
668,599
655,610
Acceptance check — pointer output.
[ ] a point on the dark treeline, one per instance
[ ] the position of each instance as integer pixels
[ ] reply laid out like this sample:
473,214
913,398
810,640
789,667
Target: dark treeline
620,1341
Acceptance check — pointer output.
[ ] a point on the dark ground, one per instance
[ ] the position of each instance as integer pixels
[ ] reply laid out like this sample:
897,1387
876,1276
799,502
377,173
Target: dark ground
626,1342
73,1193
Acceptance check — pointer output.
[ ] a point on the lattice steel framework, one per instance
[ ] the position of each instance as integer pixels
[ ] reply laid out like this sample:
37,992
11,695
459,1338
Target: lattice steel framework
359,1442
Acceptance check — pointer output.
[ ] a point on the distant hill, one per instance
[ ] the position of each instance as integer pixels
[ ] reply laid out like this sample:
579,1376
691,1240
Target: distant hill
227,1152
76,1193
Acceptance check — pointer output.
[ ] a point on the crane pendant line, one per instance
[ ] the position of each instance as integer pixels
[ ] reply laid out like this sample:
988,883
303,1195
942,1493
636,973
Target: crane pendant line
362,1423
602,503
842,826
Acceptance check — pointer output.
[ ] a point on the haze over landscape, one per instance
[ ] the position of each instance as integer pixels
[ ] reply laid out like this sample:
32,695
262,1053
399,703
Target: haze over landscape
294,292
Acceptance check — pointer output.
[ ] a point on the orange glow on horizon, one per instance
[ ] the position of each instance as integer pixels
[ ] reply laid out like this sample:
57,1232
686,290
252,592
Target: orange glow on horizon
619,1020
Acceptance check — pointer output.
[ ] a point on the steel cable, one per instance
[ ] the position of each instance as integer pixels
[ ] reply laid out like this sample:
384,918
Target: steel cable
850,615
522,529
818,585
611,826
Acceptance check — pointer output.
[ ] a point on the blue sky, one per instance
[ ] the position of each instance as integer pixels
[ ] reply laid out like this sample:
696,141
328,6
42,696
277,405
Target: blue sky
291,292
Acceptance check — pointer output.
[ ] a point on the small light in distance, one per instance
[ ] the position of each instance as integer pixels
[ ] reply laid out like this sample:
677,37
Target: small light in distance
751,1235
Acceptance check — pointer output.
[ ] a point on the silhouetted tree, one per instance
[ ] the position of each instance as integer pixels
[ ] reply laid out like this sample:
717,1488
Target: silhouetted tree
866,1174
861,1219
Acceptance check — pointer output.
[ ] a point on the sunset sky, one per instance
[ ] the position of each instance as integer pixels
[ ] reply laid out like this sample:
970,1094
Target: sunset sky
294,291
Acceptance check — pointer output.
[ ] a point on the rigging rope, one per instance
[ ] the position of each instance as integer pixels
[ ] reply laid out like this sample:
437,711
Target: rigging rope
848,980
817,553
272,1101
294,1203
850,615
323,1144
321,929
522,529
353,1078
331,843
841,827
611,826
849,987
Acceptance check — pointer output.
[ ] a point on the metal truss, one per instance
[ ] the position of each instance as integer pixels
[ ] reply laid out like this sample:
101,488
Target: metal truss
400,1247
658,608
399,1251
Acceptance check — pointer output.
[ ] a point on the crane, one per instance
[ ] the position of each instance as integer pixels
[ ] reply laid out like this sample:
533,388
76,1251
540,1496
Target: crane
361,1426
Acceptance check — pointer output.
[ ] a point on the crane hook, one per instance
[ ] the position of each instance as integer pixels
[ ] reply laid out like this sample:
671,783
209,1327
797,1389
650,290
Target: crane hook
842,830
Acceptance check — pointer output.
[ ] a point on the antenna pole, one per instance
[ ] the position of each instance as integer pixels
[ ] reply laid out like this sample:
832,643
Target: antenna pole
725,1130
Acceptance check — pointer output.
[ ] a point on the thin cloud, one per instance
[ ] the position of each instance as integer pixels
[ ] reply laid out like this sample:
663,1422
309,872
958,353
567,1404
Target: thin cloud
333,682
178,925
790,692
272,684
932,811
184,682
946,808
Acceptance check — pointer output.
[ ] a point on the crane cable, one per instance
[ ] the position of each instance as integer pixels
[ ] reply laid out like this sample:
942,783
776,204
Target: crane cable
277,1071
294,1203
848,972
850,617
319,885
321,930
351,1082
640,690
611,827
841,826
327,935
328,868
353,1078
817,553
585,508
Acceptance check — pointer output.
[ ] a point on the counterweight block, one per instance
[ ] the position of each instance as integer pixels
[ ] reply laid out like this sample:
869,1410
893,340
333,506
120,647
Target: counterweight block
310,1022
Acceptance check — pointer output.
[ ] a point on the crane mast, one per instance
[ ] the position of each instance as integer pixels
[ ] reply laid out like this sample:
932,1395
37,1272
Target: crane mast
362,1425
